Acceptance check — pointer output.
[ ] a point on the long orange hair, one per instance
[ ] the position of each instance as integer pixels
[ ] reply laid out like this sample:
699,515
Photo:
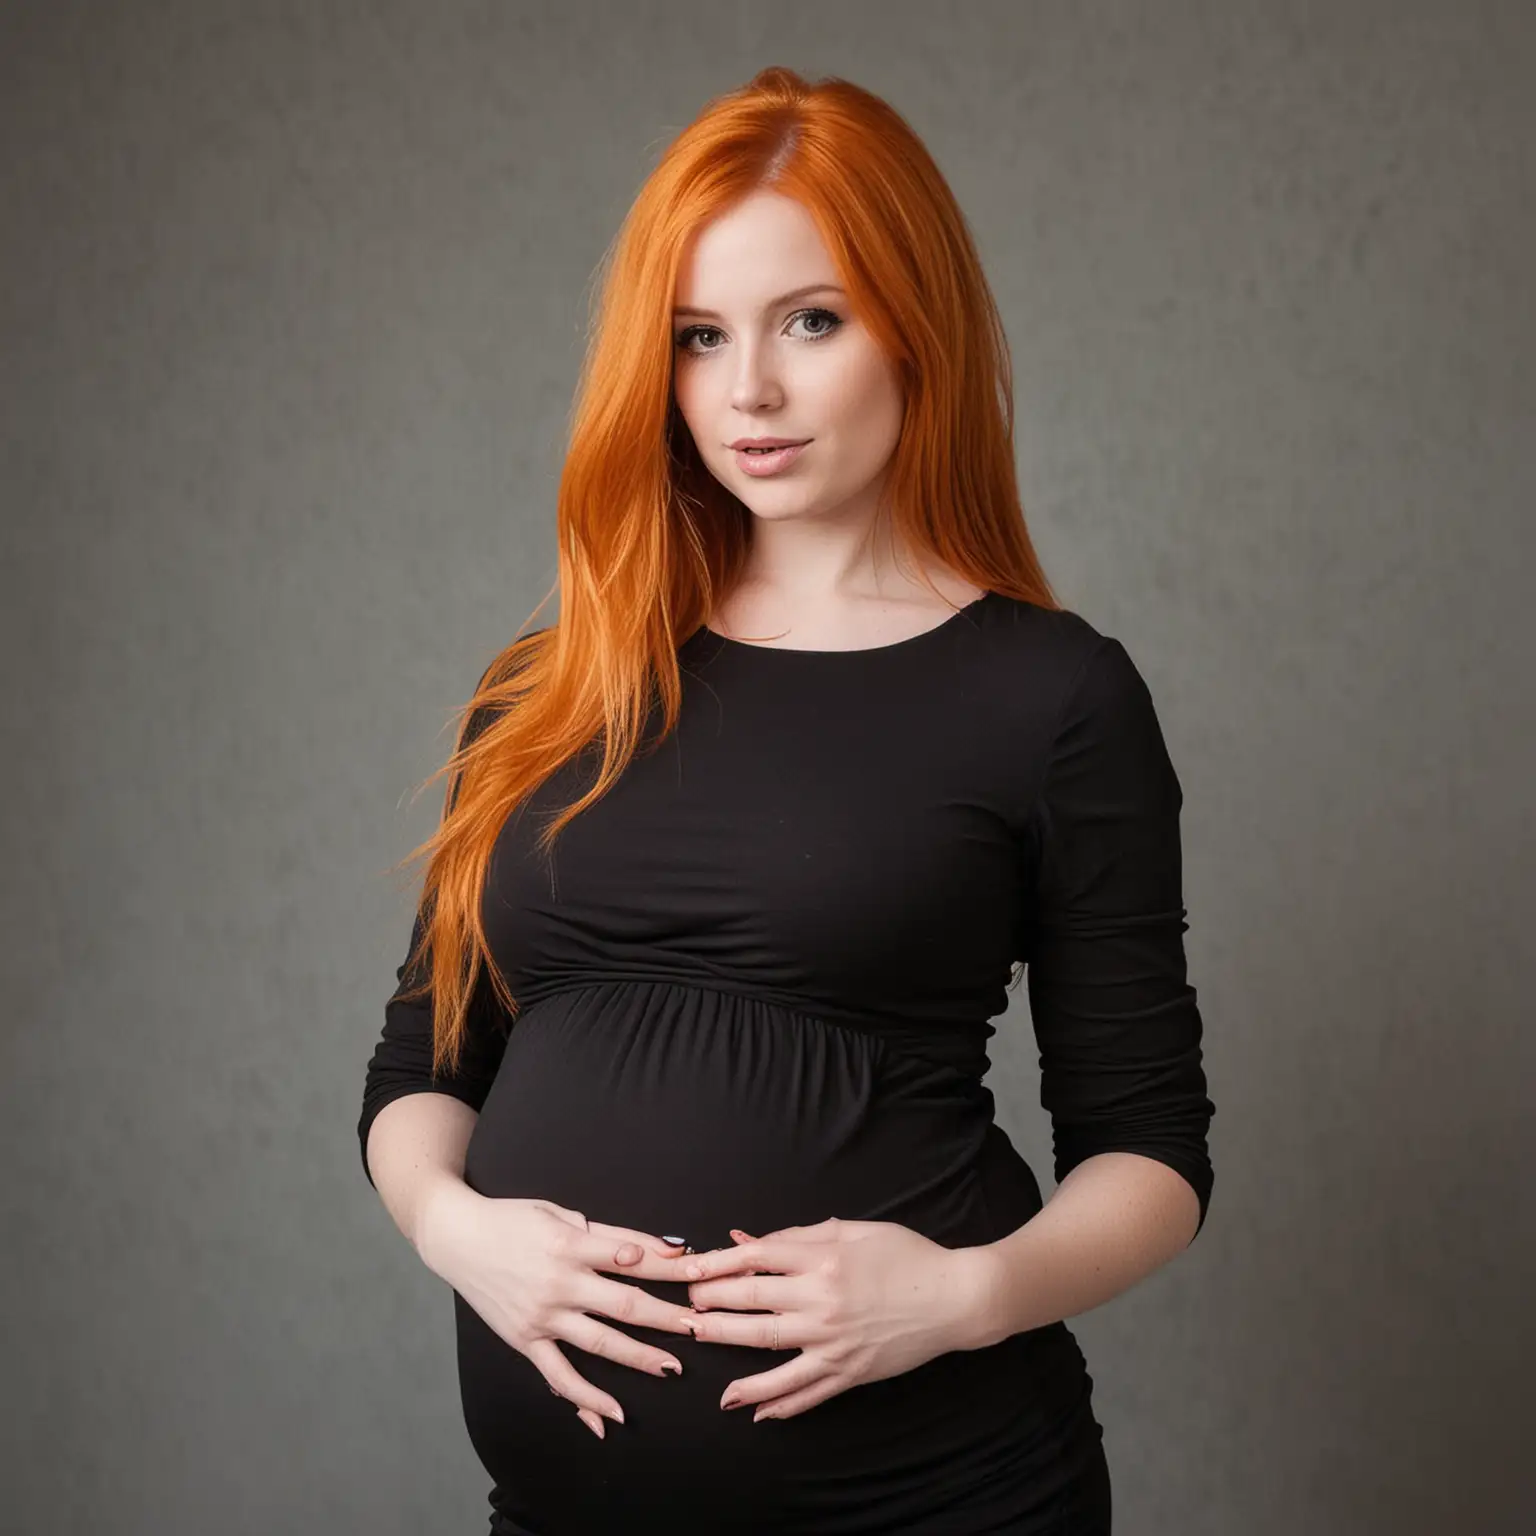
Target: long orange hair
649,541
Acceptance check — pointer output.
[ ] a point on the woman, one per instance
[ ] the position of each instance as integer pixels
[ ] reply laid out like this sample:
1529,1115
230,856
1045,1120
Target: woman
735,866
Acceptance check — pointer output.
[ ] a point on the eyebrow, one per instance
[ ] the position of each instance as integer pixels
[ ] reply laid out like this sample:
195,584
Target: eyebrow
783,298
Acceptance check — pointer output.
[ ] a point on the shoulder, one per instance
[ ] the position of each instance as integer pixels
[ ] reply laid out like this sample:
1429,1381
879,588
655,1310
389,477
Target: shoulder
1081,681
1052,647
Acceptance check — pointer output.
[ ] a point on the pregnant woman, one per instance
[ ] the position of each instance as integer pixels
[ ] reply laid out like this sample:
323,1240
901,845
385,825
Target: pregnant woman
681,1087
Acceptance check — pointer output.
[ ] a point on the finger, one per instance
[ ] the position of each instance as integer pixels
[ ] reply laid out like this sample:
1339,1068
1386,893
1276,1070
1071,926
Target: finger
652,1266
597,1338
566,1381
601,1252
613,1249
592,1421
764,1253
747,1293
634,1305
822,1232
755,1330
591,1333
793,1376
746,1237
797,1402
664,1247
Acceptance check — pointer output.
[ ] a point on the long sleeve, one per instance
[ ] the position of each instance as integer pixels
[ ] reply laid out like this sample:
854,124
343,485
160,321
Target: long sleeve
1117,1024
402,1059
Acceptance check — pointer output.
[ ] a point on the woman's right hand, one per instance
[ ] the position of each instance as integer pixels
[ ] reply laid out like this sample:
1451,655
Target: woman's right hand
532,1270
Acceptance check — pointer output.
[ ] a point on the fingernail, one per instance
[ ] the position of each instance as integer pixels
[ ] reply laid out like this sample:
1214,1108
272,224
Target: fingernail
616,1414
672,1365
762,1413
674,1242
594,1423
740,1236
730,1400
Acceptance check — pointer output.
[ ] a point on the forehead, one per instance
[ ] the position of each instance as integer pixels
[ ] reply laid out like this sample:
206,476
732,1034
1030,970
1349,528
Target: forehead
751,256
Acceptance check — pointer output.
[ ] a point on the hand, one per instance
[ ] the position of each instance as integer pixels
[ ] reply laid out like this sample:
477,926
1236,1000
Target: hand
530,1268
860,1300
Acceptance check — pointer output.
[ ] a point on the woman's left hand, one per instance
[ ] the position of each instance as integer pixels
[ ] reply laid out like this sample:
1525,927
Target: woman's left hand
860,1300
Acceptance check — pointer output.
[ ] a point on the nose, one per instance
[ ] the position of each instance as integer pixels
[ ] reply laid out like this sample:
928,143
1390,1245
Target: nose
756,386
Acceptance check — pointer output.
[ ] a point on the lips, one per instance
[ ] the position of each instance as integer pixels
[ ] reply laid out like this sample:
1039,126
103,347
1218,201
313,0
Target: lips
770,461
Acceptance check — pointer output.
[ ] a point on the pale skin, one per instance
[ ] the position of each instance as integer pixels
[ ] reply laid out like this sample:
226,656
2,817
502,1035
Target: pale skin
859,1300
863,1300
823,571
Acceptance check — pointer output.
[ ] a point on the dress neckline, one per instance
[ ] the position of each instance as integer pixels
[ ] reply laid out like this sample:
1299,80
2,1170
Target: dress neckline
970,609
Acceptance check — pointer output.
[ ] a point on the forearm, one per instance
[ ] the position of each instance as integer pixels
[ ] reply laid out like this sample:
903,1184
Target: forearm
1115,1219
416,1150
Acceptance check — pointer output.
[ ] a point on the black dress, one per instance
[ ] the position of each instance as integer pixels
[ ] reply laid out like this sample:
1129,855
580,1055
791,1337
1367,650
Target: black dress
754,992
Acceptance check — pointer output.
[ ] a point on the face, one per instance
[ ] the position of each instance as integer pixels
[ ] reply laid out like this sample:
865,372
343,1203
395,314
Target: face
765,345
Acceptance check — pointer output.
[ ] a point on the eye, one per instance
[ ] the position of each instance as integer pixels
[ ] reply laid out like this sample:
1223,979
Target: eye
692,332
819,314
684,337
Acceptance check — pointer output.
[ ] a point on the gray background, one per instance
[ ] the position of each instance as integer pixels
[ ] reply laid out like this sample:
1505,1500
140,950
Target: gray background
292,308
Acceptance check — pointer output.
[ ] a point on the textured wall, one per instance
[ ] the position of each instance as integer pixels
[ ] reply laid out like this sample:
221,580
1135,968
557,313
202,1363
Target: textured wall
292,308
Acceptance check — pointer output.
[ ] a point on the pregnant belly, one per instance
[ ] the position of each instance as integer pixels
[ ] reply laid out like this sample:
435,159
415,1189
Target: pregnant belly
679,1109
682,1109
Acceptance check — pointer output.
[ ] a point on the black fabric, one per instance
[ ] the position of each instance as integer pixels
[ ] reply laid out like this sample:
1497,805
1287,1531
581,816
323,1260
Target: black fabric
755,987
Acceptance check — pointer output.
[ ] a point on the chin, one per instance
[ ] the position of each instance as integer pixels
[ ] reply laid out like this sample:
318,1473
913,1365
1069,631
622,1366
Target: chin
776,513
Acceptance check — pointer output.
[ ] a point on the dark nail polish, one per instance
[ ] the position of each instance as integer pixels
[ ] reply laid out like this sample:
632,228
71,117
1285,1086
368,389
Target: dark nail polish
675,1242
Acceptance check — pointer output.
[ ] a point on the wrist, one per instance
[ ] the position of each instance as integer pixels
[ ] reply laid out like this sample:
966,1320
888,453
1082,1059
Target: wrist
978,1289
439,1214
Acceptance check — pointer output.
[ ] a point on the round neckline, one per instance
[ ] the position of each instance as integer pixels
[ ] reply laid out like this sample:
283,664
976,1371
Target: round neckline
862,650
